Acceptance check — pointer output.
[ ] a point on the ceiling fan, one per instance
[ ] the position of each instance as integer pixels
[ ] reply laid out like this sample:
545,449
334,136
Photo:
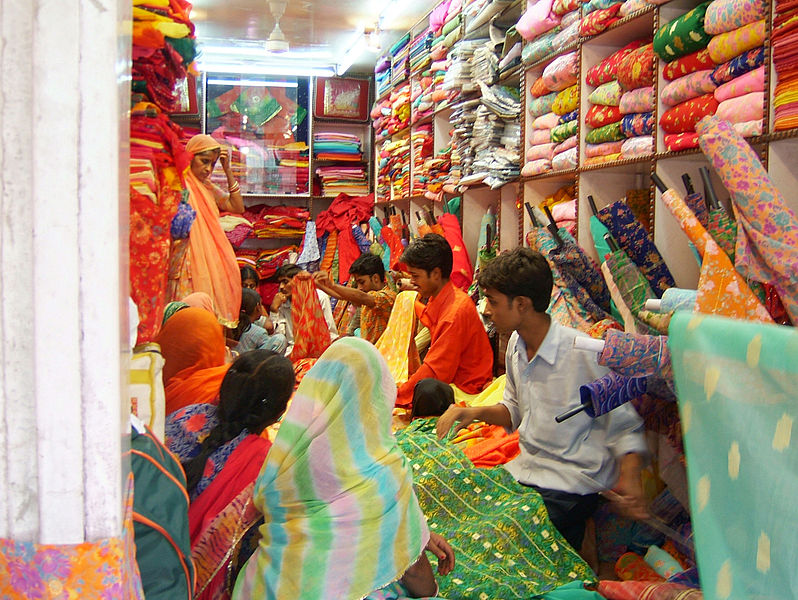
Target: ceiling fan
277,42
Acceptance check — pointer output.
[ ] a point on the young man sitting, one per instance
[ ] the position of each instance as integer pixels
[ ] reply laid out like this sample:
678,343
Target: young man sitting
459,352
281,306
568,462
372,294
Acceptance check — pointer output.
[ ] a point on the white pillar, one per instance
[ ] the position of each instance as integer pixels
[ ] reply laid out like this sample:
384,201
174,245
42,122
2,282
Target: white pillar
64,99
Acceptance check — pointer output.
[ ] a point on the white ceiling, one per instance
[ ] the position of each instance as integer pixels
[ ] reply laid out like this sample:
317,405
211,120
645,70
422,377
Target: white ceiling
309,25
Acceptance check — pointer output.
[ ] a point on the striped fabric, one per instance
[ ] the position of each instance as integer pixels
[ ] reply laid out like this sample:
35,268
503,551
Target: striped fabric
341,516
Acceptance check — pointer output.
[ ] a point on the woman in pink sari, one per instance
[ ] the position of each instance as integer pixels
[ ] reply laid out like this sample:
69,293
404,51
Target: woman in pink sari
207,262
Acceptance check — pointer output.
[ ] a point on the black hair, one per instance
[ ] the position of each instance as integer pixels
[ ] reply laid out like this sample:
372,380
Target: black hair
248,272
368,264
253,395
520,272
249,300
289,270
429,252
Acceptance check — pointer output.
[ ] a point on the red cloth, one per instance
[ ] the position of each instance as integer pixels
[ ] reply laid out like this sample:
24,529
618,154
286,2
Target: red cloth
459,352
462,272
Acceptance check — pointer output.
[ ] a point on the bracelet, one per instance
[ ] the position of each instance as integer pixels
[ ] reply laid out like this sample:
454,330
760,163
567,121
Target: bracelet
234,188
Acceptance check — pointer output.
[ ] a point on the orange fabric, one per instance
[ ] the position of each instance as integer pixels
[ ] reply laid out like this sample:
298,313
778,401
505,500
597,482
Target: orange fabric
192,344
311,333
721,289
495,447
212,265
459,352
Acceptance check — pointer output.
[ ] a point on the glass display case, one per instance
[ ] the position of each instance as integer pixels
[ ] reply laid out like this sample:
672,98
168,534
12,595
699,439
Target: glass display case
265,121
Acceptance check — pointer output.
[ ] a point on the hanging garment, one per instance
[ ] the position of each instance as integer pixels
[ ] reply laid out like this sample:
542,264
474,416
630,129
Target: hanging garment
737,383
767,236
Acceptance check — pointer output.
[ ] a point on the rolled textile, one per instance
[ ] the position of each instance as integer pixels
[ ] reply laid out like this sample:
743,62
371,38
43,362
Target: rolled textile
607,94
607,69
633,590
608,133
636,69
635,355
546,121
564,131
662,562
637,146
540,151
682,36
684,117
753,81
767,229
697,61
678,299
726,46
567,117
539,88
542,105
750,128
565,160
637,101
566,101
737,66
609,392
742,108
687,87
727,15
540,136
603,149
631,566
561,72
598,21
537,19
677,142
638,124
536,167
599,115
571,142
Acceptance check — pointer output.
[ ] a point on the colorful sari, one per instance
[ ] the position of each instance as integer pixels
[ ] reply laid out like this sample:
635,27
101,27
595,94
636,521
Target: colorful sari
192,344
341,516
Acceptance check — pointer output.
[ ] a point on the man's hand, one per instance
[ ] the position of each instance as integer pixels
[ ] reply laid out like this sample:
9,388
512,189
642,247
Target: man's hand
443,551
461,415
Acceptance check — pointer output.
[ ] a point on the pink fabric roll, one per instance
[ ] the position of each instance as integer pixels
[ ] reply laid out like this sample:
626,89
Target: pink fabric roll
539,136
593,150
571,142
540,151
753,81
743,108
547,121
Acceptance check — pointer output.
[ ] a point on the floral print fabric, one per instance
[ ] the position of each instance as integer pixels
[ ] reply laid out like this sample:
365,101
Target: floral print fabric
697,61
684,117
726,46
682,36
687,87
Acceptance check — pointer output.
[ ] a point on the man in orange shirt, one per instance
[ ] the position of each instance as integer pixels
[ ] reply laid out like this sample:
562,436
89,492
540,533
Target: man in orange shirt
459,352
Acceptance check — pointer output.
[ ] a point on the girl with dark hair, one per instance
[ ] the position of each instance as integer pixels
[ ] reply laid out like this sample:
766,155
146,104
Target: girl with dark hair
249,334
222,451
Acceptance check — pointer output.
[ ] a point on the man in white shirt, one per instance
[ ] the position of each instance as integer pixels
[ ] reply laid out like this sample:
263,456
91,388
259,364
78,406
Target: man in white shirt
569,462
281,307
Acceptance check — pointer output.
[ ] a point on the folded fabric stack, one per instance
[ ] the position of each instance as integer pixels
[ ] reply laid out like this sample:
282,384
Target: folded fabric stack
784,51
163,48
400,55
382,76
393,175
421,142
738,26
419,58
682,43
597,15
421,103
352,180
277,221
332,145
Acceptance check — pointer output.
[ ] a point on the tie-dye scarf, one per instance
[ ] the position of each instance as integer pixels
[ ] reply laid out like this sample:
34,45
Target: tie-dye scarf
341,516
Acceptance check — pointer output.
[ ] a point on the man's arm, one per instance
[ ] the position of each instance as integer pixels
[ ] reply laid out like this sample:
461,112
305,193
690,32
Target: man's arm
343,292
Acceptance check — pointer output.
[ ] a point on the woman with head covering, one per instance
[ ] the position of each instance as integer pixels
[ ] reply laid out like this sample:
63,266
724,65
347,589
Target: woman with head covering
193,347
341,519
209,263
222,451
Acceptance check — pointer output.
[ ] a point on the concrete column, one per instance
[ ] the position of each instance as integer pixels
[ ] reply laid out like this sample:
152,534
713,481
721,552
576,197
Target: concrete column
64,99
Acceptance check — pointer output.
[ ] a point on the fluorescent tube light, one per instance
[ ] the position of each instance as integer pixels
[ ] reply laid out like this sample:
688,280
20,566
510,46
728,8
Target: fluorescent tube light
253,83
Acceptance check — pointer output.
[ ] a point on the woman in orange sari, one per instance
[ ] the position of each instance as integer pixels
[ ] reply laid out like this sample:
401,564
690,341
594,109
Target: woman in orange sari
207,263
192,344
